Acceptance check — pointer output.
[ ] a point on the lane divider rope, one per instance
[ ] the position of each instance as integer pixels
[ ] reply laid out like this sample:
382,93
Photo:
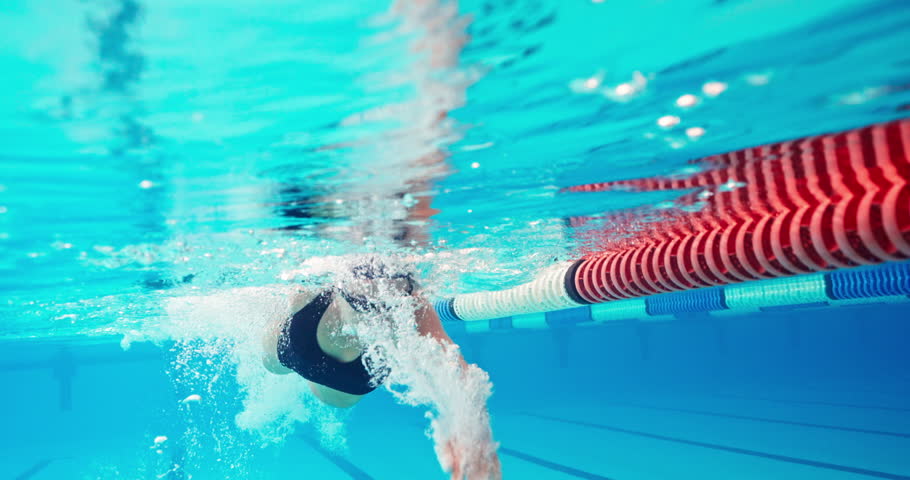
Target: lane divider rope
759,215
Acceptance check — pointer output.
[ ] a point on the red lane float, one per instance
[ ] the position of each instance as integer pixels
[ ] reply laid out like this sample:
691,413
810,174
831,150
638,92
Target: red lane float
807,205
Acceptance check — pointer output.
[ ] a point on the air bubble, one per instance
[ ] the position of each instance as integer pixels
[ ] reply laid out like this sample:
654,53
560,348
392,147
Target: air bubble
713,89
686,101
668,121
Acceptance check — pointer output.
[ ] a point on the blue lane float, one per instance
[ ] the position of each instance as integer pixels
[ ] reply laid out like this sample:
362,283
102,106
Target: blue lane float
692,301
883,280
445,310
886,283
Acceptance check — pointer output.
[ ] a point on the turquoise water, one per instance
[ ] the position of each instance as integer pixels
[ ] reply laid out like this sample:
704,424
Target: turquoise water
165,166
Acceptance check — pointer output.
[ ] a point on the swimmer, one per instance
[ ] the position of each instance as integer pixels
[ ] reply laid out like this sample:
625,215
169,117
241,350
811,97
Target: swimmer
318,341
314,343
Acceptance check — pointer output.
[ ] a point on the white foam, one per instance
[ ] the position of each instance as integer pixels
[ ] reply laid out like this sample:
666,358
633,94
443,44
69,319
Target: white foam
228,325
428,374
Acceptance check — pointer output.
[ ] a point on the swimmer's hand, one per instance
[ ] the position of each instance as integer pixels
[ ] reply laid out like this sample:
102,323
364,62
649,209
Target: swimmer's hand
456,458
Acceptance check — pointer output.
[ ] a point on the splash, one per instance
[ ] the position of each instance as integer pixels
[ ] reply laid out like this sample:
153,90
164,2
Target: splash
429,374
228,326
425,371
219,341
216,355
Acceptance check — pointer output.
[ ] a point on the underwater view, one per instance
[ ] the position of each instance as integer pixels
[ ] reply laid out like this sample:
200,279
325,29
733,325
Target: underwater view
455,239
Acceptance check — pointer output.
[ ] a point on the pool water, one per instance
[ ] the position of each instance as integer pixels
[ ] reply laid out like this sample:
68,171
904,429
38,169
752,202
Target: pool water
167,167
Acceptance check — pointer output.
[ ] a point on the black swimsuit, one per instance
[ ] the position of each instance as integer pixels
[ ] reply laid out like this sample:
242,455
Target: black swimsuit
298,348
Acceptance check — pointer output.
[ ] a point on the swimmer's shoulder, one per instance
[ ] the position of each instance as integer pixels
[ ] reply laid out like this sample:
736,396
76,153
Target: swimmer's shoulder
301,296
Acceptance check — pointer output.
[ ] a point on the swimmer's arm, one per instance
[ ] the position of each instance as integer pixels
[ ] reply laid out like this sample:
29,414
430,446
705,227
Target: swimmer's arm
429,325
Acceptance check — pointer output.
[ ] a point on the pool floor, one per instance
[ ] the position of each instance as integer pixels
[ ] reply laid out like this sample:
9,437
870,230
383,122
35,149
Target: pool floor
744,435
829,403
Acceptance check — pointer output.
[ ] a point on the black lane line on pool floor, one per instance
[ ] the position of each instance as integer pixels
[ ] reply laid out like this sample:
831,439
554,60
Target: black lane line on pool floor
813,402
762,419
725,448
34,469
551,465
353,470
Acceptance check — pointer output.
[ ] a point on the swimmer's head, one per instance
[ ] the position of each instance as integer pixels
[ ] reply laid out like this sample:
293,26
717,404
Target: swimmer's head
373,287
